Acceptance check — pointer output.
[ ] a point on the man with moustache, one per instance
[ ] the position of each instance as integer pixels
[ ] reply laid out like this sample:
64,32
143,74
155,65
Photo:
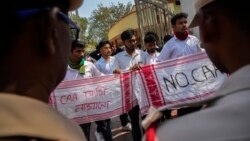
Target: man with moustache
131,59
79,68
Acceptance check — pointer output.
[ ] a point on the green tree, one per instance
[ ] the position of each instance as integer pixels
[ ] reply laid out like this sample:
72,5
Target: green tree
104,17
82,23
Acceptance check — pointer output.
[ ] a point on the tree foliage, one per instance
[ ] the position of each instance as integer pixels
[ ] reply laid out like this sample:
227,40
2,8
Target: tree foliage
82,23
104,17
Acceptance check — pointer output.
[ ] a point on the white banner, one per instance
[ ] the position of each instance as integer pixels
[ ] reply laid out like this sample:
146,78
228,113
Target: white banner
178,82
170,83
94,99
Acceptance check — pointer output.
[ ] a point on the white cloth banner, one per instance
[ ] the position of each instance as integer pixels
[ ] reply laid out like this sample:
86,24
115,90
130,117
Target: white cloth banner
170,83
93,99
180,82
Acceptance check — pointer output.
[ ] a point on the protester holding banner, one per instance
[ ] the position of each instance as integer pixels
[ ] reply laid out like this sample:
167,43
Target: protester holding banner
79,68
181,44
105,65
226,116
131,59
33,57
151,54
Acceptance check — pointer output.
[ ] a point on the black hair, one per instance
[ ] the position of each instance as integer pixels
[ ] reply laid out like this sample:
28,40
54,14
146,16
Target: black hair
178,16
151,37
101,44
236,12
167,38
127,34
77,44
15,5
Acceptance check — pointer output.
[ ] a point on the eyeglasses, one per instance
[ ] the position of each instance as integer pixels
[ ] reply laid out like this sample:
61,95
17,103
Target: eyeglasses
22,14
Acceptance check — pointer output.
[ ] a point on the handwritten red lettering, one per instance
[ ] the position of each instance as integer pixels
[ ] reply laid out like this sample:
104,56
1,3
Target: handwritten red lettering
92,106
68,98
99,91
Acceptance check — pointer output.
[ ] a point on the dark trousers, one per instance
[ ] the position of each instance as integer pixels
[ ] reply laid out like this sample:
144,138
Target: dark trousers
134,115
184,111
103,126
124,119
86,129
166,114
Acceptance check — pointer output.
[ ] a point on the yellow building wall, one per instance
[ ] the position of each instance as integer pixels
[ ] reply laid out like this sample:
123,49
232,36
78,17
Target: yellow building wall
174,8
177,9
129,21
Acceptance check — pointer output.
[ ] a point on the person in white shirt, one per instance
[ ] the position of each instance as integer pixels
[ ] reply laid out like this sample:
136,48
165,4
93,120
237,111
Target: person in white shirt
151,54
79,68
131,59
181,44
106,65
150,41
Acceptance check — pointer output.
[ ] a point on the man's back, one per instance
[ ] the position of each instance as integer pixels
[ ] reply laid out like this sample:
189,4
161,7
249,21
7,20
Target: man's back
31,118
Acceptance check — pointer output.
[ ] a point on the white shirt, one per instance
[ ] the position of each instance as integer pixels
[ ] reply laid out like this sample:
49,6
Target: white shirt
175,48
151,59
90,71
124,61
106,66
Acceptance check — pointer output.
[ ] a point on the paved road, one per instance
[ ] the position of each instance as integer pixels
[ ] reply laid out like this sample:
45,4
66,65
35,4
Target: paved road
117,132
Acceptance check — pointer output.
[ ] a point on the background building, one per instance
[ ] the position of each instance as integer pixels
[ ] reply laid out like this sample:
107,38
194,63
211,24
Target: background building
147,15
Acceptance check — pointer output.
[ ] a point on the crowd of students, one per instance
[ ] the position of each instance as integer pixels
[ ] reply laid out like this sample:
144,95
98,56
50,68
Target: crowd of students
35,59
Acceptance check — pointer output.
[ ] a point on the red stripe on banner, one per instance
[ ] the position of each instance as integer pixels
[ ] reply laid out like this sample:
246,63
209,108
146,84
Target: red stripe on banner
126,91
153,90
181,60
86,81
144,86
158,85
53,100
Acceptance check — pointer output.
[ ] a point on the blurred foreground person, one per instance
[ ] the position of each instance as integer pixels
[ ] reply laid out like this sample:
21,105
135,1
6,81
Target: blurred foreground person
33,56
